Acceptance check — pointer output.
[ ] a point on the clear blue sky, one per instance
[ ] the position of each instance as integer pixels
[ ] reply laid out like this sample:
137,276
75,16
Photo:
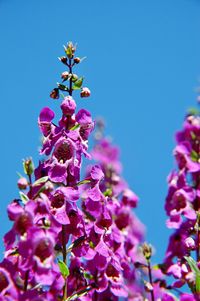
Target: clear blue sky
143,64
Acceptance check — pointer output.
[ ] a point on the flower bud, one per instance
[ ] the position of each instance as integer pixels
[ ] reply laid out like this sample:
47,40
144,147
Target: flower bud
28,166
70,50
68,106
74,77
77,60
63,59
22,183
85,92
54,93
65,75
147,251
129,198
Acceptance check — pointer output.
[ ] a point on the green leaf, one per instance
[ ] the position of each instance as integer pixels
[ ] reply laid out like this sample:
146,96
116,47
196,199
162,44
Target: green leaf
40,181
194,156
91,244
193,265
75,127
87,275
62,87
83,182
108,192
23,197
193,135
78,83
156,267
198,283
63,268
193,111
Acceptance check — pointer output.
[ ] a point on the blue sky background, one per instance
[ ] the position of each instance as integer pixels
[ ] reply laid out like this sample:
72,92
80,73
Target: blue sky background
142,68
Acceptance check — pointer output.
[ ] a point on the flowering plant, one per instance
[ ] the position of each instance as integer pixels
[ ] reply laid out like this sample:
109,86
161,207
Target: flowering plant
75,235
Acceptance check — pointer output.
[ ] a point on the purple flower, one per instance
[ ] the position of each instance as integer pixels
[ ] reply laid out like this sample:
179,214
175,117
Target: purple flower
62,156
129,198
107,154
183,154
8,290
68,106
44,121
183,204
84,118
96,173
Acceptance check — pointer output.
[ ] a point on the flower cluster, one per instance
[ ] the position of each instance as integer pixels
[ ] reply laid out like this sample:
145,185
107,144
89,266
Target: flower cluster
72,238
183,208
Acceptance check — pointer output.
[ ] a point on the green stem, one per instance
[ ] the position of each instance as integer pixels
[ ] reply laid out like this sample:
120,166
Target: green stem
64,251
150,280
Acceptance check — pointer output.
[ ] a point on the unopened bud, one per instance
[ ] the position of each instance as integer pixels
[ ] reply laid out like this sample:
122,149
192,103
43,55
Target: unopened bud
85,92
65,75
68,106
63,59
147,251
54,93
22,183
28,166
77,60
70,50
74,77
